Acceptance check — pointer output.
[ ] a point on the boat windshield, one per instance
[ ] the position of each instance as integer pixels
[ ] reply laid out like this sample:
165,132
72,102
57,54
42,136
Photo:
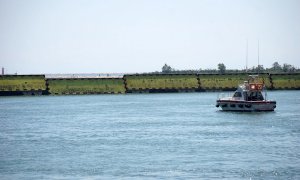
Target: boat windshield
237,94
255,96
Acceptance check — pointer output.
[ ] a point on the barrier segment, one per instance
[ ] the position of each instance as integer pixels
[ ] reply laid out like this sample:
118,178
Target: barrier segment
86,86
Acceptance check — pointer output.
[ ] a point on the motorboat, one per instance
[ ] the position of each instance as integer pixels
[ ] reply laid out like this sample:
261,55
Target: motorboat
249,96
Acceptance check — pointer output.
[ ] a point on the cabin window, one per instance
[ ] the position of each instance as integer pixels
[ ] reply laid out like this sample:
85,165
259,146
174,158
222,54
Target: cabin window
260,96
256,96
237,94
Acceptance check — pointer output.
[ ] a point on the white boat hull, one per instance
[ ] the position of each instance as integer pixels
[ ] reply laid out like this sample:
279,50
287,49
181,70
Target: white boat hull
231,105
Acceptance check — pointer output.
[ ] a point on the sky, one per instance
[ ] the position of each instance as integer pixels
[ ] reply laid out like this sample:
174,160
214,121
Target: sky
128,36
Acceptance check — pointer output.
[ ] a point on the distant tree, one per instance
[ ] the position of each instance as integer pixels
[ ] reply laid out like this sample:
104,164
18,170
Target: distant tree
167,69
260,68
221,68
276,66
288,68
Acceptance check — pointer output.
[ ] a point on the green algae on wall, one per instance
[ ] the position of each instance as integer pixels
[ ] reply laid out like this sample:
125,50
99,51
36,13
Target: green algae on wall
37,84
86,86
22,83
227,81
161,82
286,81
221,81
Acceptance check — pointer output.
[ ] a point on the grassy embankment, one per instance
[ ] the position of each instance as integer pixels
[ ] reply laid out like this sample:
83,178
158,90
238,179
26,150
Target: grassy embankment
86,86
36,84
212,82
163,82
14,83
286,81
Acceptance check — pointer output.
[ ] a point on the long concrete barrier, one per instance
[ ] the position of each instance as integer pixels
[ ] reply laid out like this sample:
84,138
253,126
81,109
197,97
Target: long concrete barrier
161,83
86,86
285,81
139,83
227,82
22,85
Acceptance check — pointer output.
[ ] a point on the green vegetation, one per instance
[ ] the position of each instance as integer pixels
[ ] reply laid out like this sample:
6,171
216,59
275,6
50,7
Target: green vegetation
142,82
277,68
22,82
286,81
215,81
166,69
221,68
228,81
159,81
86,86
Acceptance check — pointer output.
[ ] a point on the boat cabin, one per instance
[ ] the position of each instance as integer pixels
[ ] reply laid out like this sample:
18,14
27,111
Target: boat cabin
249,92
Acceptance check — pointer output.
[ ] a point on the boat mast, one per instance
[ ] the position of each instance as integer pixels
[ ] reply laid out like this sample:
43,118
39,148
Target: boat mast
247,56
258,57
259,68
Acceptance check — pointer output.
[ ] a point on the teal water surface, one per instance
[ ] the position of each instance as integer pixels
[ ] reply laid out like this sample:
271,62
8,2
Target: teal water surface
147,136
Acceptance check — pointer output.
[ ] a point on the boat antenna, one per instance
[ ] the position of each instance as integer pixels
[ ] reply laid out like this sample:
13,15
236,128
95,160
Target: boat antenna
258,57
247,56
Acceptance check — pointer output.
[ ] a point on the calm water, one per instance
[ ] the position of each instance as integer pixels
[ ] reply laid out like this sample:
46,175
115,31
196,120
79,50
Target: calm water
147,136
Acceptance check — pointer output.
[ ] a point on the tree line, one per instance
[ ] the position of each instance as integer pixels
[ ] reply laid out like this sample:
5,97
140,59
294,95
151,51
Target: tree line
221,69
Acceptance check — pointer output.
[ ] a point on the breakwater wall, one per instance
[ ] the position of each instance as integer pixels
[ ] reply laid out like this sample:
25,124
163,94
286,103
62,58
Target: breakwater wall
139,83
22,85
149,83
85,86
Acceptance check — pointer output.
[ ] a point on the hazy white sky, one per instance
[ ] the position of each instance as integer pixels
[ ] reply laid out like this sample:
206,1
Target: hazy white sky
99,36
